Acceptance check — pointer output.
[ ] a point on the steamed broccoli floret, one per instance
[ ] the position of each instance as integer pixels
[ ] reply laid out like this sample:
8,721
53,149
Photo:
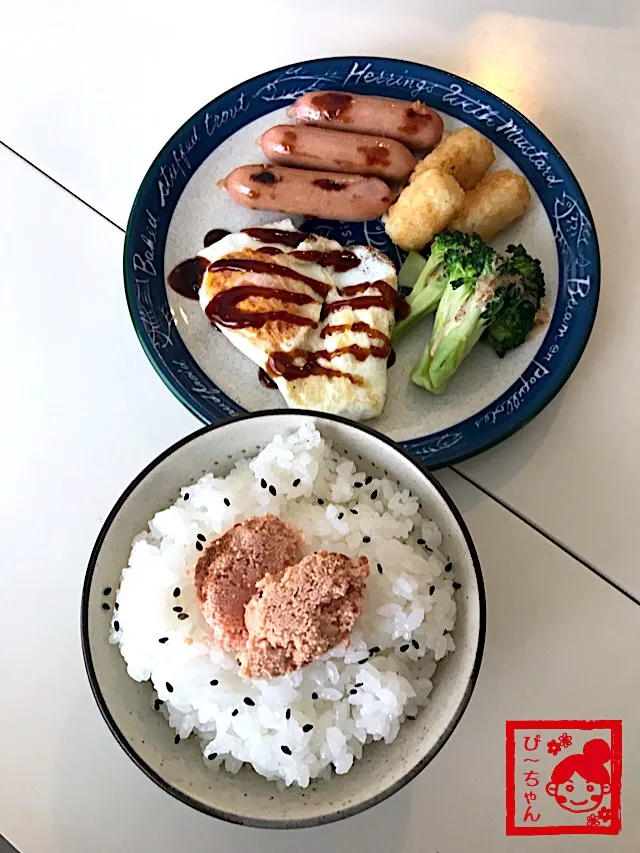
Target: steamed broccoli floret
454,256
524,282
468,305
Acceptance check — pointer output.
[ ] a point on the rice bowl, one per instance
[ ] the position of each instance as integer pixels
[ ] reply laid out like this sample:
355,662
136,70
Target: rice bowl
399,681
296,727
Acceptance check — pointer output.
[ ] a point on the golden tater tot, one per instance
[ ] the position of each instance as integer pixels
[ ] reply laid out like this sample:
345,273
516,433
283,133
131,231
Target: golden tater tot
466,155
423,209
496,202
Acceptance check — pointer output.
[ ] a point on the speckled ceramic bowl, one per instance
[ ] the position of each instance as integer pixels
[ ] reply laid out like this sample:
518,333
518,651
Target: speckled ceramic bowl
126,705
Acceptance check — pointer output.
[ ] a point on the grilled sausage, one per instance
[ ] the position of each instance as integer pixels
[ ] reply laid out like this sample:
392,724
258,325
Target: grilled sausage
414,124
326,195
320,148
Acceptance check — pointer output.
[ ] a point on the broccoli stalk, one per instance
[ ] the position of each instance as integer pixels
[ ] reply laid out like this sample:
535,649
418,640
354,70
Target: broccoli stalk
466,309
524,281
499,303
453,255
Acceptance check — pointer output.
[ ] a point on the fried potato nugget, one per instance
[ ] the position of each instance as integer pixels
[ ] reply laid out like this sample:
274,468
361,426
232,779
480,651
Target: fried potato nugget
424,208
466,155
496,202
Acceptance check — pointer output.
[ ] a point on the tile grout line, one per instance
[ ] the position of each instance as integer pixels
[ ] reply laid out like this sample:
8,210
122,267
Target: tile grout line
548,536
62,186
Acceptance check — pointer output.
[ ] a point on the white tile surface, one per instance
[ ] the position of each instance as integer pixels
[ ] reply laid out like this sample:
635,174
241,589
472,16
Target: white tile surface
90,98
86,414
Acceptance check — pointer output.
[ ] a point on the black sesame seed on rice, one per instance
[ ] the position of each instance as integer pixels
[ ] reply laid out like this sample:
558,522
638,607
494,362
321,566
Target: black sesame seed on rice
227,502
374,650
421,542
198,546
366,539
263,483
163,640
214,682
296,483
456,585
288,714
105,606
285,749
106,590
359,684
432,589
379,568
405,647
235,712
410,718
374,494
340,515
358,485
353,511
314,695
116,606
176,592
272,491
353,691
368,480
186,496
415,644
212,755
364,660
177,609
156,704
182,616
116,625
169,687
320,502
176,739
307,727
248,701
202,537
448,567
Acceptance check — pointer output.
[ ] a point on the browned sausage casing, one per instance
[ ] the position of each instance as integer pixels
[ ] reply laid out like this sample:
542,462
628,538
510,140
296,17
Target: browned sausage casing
321,148
327,195
412,123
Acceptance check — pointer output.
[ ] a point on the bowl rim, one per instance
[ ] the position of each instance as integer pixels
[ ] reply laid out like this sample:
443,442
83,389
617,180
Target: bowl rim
212,811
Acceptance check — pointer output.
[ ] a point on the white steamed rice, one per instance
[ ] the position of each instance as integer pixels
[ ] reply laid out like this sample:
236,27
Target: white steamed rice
349,698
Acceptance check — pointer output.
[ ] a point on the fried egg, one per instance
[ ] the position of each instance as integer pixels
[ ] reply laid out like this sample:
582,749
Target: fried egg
297,342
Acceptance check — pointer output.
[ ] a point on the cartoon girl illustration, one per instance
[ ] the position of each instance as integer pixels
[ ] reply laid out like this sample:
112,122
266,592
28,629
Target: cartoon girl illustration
580,781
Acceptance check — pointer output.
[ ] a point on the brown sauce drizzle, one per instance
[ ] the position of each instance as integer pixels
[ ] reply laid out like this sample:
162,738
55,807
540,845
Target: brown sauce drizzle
187,277
265,177
386,298
340,259
250,265
415,118
375,155
213,236
332,104
277,235
328,184
365,328
223,308
266,380
288,146
300,364
270,250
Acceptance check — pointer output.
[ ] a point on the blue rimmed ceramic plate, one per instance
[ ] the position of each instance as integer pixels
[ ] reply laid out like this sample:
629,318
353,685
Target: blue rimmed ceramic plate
179,201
